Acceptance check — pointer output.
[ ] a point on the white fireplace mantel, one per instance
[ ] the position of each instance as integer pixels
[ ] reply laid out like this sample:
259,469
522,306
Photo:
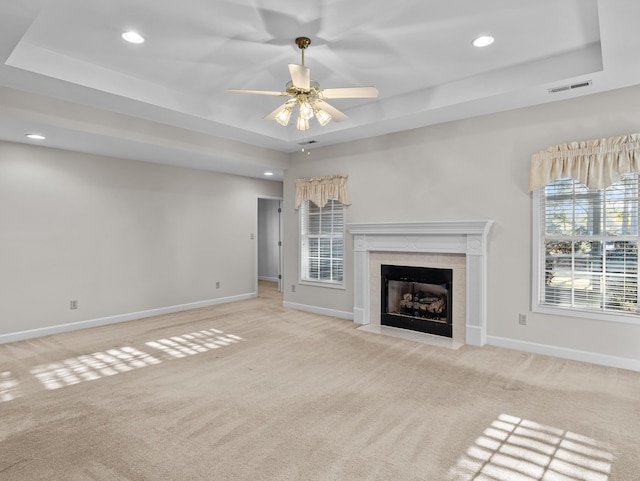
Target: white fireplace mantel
454,237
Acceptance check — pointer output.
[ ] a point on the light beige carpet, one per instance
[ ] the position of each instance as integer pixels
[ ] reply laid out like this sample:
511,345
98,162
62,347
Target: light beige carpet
253,391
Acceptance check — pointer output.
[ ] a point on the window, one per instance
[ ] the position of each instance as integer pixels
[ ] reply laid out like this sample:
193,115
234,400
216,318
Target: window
586,248
322,243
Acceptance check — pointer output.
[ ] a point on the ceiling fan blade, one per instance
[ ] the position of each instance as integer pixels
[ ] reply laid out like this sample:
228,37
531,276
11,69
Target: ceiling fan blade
350,93
300,76
257,92
336,115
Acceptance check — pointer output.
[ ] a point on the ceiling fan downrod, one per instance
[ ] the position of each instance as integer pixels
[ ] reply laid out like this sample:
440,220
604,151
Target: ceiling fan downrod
302,43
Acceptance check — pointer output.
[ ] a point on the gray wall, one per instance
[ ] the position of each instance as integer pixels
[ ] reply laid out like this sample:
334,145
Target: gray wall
119,236
468,170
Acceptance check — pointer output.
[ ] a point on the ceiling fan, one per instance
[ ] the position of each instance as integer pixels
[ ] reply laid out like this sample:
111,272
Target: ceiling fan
308,97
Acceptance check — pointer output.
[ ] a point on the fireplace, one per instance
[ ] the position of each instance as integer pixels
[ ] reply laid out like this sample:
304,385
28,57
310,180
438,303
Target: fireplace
459,245
417,298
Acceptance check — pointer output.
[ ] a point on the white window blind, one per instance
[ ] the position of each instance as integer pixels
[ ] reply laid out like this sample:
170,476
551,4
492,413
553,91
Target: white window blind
587,246
322,242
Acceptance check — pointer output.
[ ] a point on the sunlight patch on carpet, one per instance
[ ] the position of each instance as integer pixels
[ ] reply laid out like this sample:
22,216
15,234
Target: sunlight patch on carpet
515,449
89,367
9,387
194,343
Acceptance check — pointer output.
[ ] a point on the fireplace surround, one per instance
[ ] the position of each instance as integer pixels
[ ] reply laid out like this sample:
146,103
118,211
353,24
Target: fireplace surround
458,243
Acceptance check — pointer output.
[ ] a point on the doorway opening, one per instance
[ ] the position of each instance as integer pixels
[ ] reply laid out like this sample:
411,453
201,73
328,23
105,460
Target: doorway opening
269,242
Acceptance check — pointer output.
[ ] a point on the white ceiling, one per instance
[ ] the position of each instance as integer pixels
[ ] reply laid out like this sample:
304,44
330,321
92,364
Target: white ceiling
67,73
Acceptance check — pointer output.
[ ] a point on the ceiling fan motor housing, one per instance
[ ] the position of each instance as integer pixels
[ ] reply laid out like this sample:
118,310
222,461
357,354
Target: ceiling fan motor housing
303,42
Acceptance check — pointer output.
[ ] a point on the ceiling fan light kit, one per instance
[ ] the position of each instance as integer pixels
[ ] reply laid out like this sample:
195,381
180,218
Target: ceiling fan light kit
308,97
322,116
284,115
302,124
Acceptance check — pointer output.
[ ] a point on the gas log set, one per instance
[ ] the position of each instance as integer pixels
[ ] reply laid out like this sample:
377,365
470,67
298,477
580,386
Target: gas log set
424,304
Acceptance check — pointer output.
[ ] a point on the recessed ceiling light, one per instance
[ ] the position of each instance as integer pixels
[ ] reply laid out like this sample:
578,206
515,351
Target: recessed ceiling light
483,41
133,37
35,136
268,174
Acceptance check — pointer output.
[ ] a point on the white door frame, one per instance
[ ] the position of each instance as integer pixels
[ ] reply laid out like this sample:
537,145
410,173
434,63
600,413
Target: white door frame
280,233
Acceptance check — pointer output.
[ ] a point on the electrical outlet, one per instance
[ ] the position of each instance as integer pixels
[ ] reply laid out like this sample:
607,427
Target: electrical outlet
522,319
293,288
251,236
218,285
73,304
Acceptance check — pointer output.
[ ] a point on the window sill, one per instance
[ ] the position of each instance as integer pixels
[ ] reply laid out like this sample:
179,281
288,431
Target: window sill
586,314
330,285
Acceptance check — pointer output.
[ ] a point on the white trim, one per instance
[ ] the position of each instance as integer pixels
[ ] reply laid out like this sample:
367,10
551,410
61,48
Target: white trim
329,284
265,278
318,282
255,244
456,237
473,335
359,315
103,321
537,276
536,250
319,310
464,227
564,353
610,316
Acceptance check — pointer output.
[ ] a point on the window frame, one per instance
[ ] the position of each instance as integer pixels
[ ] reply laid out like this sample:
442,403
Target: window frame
302,248
538,272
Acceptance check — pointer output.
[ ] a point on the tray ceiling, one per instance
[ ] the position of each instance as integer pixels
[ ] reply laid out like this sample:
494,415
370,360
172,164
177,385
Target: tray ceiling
67,72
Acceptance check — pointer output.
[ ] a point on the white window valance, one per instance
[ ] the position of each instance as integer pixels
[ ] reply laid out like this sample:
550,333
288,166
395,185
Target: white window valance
320,189
595,163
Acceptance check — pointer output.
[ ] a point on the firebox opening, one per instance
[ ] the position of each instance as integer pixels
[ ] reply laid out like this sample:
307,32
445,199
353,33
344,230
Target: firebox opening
417,298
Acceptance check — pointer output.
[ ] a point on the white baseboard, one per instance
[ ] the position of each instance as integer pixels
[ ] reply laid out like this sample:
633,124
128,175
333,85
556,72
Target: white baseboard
103,321
359,316
319,310
473,335
583,356
265,278
574,355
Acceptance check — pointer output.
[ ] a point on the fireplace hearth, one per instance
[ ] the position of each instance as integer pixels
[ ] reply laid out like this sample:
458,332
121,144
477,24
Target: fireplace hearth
417,298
